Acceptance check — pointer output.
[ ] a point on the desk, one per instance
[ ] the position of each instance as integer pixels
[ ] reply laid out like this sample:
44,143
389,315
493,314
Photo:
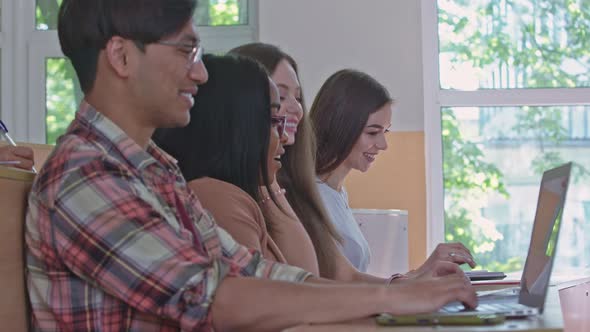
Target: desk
550,321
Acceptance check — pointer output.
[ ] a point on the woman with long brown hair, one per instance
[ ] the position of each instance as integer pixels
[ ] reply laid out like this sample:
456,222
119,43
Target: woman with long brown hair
351,115
297,177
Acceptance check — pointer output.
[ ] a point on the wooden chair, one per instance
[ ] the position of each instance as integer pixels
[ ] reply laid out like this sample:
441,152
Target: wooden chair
14,190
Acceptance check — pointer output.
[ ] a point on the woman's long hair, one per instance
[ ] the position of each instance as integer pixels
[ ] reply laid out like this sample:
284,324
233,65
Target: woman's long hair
229,131
340,112
297,175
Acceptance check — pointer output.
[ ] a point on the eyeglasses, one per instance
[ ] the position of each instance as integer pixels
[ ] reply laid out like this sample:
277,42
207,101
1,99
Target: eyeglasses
280,122
194,52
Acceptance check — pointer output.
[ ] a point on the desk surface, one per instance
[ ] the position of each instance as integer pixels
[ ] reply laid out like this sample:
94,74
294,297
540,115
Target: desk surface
550,321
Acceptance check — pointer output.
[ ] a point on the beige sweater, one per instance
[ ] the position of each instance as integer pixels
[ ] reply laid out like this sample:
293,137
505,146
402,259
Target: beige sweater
236,212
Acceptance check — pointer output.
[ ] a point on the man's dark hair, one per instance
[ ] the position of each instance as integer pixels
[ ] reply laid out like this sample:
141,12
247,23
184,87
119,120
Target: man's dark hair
229,132
85,27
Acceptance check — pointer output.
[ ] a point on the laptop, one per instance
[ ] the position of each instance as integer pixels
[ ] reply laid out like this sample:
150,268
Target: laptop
530,298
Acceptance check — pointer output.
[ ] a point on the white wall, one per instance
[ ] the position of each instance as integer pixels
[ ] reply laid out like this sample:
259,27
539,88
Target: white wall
380,37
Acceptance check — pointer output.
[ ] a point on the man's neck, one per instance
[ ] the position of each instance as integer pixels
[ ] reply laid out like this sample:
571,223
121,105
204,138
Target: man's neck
124,116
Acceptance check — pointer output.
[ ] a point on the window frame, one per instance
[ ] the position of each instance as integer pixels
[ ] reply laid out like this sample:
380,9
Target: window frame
24,51
436,98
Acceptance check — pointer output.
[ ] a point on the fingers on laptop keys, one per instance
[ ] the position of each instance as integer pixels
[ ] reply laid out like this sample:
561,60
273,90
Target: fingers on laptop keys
462,291
430,294
452,288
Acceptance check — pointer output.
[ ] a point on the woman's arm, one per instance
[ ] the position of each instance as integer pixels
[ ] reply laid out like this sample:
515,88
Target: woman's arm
434,267
345,272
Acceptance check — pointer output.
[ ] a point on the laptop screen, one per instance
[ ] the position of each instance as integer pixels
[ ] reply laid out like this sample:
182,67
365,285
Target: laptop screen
539,262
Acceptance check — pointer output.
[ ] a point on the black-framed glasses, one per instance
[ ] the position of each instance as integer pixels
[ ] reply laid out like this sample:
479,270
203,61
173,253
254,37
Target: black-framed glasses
280,122
195,52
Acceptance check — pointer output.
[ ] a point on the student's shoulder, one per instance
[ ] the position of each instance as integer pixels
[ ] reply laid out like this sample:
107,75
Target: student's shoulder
210,186
230,205
212,191
75,157
74,152
327,193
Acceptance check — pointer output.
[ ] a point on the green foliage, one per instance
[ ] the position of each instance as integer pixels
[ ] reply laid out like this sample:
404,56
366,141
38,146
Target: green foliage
46,13
534,48
464,168
467,177
224,12
63,97
543,126
507,38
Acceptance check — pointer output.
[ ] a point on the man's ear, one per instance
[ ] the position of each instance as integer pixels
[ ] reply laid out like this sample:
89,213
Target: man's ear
118,52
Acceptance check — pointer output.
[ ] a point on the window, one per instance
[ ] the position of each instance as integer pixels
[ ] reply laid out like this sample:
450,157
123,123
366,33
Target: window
44,92
510,100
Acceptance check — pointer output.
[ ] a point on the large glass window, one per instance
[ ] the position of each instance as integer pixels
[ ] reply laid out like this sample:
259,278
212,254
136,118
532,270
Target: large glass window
222,12
63,96
208,13
511,101
490,44
493,159
46,14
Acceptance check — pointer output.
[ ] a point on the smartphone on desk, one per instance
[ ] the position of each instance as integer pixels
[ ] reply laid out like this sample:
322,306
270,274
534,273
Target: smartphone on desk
477,275
434,319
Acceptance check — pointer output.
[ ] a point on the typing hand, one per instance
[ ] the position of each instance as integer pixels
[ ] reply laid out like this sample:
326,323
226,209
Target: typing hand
430,293
438,269
448,252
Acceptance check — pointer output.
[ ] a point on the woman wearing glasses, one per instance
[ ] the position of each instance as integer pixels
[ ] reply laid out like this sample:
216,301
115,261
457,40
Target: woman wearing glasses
231,151
298,177
234,150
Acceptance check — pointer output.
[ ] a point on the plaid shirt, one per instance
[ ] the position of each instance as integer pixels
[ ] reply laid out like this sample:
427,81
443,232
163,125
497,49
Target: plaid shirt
105,247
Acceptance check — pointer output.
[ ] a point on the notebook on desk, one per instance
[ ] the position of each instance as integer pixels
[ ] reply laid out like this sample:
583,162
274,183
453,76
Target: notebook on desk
530,298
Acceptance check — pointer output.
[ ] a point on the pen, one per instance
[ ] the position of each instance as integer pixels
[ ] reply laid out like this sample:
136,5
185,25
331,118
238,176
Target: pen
9,162
4,133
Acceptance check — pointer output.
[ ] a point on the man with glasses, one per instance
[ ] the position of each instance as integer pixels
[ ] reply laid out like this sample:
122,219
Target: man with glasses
114,239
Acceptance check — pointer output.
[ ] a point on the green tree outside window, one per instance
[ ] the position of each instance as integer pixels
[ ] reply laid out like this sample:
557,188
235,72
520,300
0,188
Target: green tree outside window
510,44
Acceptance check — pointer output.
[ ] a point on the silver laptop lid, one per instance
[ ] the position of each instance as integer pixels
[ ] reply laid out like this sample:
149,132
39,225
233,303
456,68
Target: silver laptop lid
548,217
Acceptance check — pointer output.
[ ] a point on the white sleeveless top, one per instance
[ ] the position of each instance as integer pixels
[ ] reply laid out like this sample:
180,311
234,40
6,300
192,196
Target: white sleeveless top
355,247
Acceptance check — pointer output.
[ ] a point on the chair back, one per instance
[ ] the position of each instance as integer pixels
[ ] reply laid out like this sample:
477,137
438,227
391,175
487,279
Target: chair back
15,186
